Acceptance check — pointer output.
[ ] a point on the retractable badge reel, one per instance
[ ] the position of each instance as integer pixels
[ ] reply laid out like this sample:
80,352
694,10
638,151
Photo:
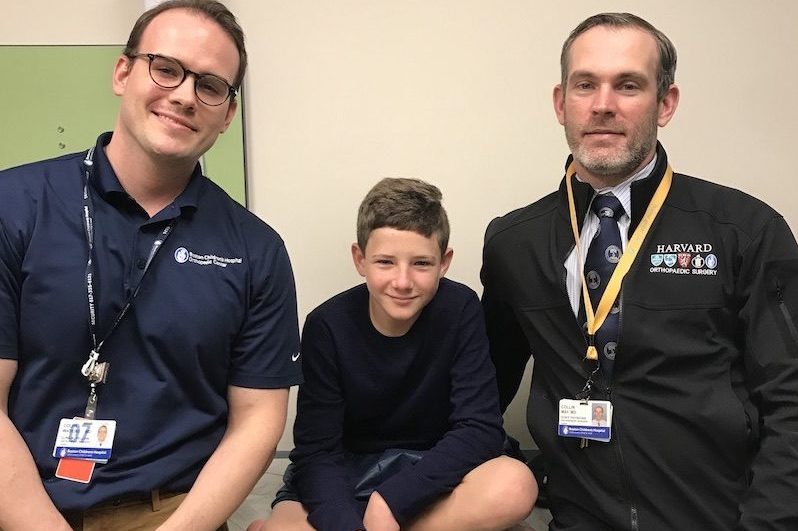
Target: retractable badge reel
96,373
83,442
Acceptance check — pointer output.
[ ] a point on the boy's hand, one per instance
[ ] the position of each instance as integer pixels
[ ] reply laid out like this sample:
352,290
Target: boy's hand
378,515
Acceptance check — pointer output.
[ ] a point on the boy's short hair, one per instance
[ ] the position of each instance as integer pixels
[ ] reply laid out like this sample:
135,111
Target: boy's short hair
403,204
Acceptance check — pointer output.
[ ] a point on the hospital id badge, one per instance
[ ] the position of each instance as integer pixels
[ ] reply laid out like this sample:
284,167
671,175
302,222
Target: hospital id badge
84,439
585,419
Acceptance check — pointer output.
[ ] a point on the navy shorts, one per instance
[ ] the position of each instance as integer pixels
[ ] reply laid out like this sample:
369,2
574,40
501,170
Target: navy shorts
365,473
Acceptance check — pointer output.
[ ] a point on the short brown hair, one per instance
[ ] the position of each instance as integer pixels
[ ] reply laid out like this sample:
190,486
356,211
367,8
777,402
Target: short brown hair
666,73
403,204
215,11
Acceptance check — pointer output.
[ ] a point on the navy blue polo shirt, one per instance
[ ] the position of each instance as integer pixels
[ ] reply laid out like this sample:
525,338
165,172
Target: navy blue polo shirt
216,307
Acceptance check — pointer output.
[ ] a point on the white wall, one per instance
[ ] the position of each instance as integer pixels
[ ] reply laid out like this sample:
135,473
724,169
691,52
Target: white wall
343,92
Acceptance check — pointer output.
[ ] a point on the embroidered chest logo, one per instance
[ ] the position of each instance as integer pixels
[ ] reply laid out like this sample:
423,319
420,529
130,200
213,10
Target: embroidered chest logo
684,259
183,255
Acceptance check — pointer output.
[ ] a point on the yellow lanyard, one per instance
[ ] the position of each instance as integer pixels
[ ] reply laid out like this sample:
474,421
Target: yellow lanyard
595,320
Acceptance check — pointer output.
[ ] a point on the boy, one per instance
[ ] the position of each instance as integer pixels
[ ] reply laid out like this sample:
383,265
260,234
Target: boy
398,421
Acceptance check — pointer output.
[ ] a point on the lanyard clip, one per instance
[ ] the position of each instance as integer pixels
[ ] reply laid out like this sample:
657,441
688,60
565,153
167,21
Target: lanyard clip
88,367
584,394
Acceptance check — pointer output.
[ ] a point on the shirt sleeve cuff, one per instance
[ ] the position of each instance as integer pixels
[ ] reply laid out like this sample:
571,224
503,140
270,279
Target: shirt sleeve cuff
408,495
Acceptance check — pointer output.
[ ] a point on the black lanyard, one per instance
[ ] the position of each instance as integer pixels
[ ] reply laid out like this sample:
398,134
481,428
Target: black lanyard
94,371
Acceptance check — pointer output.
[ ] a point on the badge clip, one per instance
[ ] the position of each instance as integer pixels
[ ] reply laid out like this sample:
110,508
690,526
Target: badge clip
88,367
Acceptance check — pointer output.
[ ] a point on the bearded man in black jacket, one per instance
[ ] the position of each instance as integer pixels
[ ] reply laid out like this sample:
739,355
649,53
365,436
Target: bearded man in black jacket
669,300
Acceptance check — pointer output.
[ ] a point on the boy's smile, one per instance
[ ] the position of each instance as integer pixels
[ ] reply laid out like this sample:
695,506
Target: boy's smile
402,269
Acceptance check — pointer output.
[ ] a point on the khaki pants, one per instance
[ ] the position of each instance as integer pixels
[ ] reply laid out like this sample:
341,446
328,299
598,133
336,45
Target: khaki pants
135,515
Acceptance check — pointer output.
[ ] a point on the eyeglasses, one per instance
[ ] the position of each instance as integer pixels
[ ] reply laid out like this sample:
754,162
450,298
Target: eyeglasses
168,73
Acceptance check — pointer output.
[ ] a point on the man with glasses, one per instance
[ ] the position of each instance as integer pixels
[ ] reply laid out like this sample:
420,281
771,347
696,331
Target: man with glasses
141,305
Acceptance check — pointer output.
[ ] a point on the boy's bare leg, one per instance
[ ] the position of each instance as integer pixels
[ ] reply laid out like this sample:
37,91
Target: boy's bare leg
497,495
286,516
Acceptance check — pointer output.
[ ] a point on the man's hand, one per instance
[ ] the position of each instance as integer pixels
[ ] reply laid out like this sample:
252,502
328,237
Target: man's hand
255,423
378,515
24,504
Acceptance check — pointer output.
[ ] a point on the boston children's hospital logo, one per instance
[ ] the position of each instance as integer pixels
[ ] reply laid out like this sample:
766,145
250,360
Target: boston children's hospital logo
183,255
684,259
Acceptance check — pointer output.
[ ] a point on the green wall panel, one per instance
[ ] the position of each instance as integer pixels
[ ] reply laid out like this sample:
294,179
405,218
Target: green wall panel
57,99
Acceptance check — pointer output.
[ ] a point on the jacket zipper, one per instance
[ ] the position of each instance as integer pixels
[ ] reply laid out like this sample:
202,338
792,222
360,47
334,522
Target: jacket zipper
786,313
633,516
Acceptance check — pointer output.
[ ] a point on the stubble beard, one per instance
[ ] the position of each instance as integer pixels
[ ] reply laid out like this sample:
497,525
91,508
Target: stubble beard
614,165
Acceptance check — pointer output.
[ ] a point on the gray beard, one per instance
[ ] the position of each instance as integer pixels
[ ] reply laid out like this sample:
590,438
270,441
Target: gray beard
613,168
617,167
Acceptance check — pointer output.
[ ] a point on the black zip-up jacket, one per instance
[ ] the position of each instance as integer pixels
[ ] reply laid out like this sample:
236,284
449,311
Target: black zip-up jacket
705,384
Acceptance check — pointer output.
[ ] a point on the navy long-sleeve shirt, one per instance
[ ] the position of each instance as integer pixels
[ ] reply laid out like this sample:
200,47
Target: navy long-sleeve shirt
432,389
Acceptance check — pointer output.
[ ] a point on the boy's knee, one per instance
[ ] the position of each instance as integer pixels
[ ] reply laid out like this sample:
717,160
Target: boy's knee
286,516
275,525
513,490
